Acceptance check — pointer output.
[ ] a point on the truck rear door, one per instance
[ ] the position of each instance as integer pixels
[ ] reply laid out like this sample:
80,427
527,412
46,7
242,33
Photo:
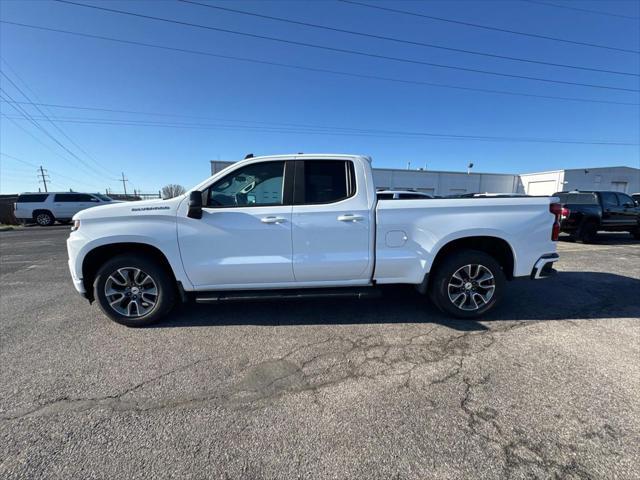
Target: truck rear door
331,222
611,210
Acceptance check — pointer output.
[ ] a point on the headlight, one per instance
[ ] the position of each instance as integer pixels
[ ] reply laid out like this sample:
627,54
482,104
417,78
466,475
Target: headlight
76,225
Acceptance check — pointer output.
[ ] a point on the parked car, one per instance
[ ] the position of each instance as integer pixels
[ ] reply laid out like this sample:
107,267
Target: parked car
401,195
305,225
45,208
585,213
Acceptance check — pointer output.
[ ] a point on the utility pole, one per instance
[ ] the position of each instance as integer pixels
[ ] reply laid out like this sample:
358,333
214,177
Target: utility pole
124,184
43,177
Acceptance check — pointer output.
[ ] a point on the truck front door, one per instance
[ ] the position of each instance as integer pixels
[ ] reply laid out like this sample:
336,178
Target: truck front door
331,223
629,211
243,239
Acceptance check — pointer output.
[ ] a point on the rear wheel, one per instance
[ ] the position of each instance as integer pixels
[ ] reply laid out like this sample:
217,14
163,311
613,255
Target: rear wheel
44,218
467,284
134,290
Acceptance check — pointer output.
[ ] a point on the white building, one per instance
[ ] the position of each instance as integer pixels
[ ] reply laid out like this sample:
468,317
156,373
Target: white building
619,179
445,183
623,179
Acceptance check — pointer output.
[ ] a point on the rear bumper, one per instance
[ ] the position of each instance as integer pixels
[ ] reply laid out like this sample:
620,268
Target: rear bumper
543,268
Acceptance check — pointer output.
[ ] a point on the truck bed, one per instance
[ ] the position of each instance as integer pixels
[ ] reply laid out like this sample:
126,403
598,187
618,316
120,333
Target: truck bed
409,233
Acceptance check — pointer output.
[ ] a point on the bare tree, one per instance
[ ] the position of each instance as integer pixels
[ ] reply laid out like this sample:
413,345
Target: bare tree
172,190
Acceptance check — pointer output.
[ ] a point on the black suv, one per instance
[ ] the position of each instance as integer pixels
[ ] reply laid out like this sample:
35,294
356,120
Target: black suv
584,213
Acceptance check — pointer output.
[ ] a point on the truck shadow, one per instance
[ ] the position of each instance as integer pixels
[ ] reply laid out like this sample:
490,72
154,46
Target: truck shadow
568,295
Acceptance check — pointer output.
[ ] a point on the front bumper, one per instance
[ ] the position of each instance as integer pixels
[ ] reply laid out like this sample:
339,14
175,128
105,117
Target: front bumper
77,282
543,268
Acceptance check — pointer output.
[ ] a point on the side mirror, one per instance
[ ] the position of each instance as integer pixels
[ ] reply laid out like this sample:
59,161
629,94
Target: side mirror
195,205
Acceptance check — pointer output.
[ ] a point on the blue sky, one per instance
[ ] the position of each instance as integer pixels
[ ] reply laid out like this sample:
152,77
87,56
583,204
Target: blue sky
223,109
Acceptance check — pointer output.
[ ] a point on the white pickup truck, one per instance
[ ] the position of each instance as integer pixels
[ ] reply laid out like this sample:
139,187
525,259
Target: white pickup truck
305,225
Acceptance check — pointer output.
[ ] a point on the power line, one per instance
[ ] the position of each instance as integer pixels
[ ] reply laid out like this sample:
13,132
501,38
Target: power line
55,172
407,42
37,107
13,121
341,131
347,51
487,27
30,118
314,69
586,10
47,118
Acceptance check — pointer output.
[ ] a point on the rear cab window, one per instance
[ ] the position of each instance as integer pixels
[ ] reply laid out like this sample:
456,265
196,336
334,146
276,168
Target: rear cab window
577,198
32,197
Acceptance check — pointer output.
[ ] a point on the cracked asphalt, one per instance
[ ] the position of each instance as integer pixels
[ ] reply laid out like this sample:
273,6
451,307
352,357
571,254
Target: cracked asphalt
548,386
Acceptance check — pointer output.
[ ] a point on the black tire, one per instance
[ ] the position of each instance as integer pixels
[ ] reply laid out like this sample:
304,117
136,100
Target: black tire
587,232
162,279
44,218
443,294
636,233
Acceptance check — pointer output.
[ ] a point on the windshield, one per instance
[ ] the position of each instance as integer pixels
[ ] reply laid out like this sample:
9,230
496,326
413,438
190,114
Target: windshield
104,198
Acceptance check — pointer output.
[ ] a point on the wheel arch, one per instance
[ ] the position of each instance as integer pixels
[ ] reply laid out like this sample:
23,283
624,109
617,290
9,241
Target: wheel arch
497,247
96,257
36,211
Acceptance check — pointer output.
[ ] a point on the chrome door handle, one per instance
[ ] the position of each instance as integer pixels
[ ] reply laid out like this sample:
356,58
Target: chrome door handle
350,217
272,219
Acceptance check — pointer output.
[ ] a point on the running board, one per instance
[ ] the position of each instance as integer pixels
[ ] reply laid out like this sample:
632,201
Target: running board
303,293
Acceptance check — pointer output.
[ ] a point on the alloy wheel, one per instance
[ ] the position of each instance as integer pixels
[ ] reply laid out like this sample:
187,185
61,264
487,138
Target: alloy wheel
43,219
131,292
471,287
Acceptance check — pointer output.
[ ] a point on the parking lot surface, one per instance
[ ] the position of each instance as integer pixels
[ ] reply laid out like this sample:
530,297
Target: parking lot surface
546,387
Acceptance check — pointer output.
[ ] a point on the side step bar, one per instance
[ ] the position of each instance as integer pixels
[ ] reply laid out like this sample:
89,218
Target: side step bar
302,293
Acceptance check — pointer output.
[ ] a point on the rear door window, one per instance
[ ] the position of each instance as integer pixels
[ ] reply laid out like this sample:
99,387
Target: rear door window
326,181
32,198
73,197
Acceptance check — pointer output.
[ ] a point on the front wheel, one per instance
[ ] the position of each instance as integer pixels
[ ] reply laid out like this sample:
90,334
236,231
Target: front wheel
467,284
134,290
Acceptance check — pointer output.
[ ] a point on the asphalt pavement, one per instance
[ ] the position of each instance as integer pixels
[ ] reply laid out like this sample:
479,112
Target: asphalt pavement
548,386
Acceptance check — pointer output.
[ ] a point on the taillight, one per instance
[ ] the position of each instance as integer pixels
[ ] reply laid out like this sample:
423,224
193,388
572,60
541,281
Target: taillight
565,212
556,209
